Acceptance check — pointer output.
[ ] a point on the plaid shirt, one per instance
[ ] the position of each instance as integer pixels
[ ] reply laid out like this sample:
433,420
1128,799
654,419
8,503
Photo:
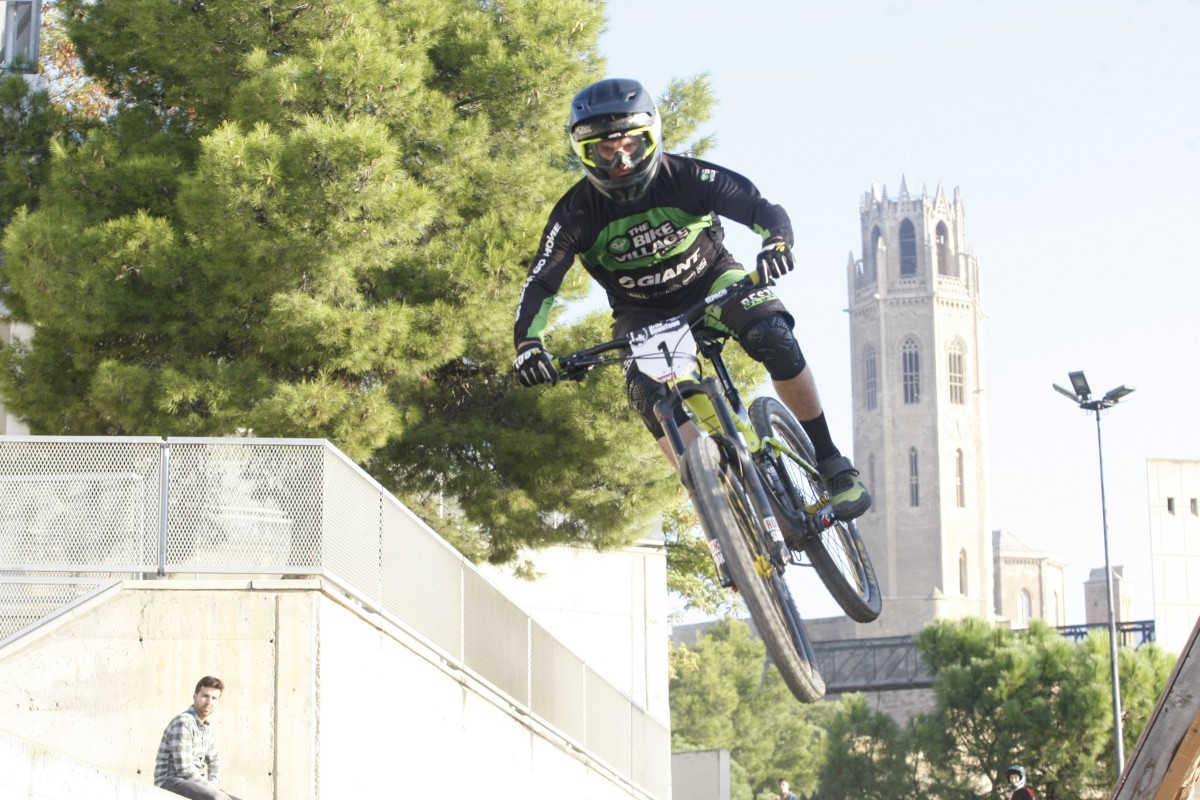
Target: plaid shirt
189,751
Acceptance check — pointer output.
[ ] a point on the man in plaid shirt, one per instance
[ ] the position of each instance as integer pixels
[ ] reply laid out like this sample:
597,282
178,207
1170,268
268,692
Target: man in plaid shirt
188,762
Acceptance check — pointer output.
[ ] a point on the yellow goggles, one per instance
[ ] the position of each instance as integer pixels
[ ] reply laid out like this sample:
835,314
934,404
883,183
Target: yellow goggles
608,151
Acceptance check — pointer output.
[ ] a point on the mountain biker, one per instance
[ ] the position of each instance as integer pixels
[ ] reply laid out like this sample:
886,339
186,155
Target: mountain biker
646,226
1016,783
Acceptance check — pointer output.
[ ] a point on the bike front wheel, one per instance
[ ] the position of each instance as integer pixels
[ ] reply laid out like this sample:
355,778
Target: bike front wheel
722,502
837,552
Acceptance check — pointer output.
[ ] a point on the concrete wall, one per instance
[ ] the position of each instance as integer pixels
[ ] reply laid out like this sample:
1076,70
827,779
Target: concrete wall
322,700
700,775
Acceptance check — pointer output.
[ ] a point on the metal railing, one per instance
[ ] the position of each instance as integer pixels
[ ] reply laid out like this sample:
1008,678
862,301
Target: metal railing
77,513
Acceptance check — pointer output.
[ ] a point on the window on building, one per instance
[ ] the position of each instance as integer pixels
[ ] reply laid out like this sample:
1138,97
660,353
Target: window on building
958,394
946,265
1170,505
1194,512
870,385
960,482
19,36
1024,608
910,357
873,259
914,479
962,572
908,248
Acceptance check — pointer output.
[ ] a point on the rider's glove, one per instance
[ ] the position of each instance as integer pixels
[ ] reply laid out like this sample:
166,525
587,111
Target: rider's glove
534,365
774,261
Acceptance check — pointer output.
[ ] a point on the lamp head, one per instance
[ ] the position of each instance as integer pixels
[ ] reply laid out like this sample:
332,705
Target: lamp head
1080,384
1066,393
1113,395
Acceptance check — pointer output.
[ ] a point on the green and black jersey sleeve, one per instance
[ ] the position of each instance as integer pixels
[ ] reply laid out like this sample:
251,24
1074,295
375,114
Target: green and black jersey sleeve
649,253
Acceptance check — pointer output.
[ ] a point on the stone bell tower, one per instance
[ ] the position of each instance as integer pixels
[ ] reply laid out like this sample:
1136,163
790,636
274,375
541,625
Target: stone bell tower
916,338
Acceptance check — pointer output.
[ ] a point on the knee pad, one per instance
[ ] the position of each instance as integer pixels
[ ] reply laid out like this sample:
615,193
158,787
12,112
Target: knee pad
770,342
643,394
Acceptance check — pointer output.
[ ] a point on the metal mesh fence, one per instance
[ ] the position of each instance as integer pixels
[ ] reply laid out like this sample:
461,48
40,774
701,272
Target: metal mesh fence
88,504
77,511
244,506
25,601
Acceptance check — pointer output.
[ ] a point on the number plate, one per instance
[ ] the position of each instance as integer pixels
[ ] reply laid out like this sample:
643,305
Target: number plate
664,351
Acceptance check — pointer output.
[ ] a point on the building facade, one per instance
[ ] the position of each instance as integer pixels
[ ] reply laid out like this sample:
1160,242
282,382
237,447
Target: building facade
1030,584
1174,500
917,350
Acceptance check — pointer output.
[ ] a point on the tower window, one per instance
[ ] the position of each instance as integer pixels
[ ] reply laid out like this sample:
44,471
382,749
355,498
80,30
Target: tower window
1170,505
870,387
958,394
962,572
910,355
1194,509
873,258
914,479
908,248
946,265
1024,608
960,483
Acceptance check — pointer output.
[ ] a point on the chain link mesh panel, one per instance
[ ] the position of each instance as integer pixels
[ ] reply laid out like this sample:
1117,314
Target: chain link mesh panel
609,721
351,525
25,601
496,637
80,504
422,579
245,506
558,685
651,748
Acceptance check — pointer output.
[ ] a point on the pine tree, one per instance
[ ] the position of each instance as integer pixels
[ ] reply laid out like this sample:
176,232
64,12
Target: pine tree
313,220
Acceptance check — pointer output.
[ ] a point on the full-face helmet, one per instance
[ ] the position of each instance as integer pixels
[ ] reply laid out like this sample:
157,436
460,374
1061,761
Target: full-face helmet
1016,777
615,126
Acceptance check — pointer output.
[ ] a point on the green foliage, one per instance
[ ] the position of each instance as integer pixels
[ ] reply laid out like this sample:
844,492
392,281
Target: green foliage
28,123
867,754
728,698
314,220
1005,697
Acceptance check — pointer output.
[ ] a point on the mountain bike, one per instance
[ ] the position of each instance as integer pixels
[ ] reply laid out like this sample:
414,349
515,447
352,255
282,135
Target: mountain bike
752,480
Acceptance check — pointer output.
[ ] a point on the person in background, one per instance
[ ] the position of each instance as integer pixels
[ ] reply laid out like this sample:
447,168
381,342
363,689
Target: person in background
188,761
1016,783
785,790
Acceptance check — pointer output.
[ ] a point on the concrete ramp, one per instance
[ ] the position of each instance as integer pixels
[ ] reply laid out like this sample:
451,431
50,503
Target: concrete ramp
324,699
1165,764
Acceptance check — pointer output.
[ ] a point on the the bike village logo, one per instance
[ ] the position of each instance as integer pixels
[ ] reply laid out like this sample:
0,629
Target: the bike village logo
645,239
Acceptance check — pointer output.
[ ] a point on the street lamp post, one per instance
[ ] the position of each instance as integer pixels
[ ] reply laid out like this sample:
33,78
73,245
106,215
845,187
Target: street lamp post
1081,394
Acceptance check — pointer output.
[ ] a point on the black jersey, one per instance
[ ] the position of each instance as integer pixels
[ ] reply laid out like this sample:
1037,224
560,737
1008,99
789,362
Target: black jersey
661,252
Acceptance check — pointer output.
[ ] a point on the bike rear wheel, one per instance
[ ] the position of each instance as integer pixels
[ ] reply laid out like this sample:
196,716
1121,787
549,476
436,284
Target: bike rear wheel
723,504
837,552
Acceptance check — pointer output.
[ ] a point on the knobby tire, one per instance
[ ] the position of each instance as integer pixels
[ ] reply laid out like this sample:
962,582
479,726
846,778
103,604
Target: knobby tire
837,553
722,503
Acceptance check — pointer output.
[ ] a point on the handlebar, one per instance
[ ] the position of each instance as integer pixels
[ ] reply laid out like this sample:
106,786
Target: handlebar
576,366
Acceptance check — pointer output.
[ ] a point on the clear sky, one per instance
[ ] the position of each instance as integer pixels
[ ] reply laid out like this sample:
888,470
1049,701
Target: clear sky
1071,128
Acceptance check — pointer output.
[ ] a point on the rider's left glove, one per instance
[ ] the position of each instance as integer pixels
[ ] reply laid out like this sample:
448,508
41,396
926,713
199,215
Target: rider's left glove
774,261
534,365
